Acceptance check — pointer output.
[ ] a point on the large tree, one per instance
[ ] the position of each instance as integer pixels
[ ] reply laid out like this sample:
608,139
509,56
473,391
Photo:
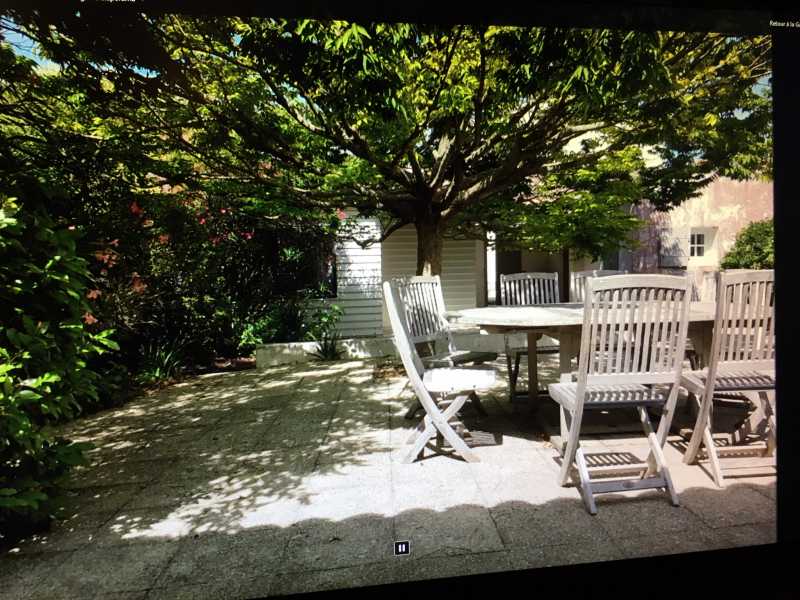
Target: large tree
456,130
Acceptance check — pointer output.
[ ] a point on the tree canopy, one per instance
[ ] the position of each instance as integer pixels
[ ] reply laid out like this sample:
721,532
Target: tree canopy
538,134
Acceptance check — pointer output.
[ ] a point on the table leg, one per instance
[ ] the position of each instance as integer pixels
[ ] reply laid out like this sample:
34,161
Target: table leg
700,333
564,353
533,372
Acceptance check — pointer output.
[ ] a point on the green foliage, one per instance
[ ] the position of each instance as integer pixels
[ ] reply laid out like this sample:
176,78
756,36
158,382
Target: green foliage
428,124
282,322
44,348
321,328
754,247
162,362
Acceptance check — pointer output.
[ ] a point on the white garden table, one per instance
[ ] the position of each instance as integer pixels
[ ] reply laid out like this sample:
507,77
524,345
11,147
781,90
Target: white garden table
564,322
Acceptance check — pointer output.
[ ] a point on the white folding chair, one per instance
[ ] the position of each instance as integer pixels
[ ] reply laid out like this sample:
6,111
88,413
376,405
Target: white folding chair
440,391
742,361
422,301
577,287
526,289
632,345
577,281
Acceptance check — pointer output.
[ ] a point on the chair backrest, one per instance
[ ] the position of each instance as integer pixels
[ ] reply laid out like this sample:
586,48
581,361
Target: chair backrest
525,289
402,341
744,325
634,330
422,303
577,281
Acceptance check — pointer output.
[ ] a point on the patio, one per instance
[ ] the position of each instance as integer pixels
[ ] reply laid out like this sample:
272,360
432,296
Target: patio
232,484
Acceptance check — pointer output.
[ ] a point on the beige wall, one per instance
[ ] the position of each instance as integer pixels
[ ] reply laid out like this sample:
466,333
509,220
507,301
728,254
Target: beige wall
723,209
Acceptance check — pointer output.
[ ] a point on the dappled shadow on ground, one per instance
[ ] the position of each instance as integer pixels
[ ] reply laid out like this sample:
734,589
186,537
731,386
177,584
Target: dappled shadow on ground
235,483
313,553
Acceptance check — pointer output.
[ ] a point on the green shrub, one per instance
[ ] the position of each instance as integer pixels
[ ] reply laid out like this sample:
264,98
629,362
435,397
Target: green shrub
754,248
44,347
321,328
161,362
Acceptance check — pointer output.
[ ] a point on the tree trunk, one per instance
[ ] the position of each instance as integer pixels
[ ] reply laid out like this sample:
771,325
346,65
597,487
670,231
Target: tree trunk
429,246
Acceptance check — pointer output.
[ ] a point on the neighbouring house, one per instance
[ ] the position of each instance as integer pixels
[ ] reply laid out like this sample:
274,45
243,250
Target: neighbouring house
695,236
692,237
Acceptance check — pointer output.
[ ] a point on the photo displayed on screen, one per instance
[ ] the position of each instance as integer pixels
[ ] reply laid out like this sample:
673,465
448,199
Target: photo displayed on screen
299,304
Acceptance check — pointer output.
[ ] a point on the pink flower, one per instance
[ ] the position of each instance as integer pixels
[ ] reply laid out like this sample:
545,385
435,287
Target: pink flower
89,319
92,294
341,214
163,238
135,208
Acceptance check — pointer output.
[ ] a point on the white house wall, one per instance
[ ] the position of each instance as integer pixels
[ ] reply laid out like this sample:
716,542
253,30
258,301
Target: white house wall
463,268
358,277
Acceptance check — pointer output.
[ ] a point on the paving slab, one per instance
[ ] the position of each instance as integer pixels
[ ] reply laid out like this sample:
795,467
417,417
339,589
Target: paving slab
292,480
111,569
557,522
30,575
464,529
216,557
736,504
323,544
72,531
305,581
222,589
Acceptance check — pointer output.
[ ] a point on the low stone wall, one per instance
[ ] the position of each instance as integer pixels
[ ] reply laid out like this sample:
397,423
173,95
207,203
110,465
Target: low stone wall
271,355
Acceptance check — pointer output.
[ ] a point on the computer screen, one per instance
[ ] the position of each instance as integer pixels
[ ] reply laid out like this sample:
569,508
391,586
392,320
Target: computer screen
301,298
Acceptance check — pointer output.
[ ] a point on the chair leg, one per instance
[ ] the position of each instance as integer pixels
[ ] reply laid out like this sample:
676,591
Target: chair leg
711,451
417,431
413,409
564,419
510,366
569,454
703,419
657,455
476,402
585,482
772,426
422,439
437,425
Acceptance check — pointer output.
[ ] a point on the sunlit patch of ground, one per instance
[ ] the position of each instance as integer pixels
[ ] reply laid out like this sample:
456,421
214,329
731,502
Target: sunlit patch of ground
237,483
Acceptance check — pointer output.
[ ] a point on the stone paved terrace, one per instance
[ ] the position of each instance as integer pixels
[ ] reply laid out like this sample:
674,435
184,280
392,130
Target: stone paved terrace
285,480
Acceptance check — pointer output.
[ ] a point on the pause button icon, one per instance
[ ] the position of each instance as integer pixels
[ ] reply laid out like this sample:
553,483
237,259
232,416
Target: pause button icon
402,548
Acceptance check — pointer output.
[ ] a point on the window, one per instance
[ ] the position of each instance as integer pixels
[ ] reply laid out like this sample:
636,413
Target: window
318,271
697,244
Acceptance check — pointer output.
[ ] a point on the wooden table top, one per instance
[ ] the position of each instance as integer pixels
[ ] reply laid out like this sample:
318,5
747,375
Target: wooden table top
550,315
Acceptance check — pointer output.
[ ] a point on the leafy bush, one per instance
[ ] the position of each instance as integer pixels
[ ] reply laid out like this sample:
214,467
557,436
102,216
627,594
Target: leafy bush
44,347
161,362
322,329
282,322
754,247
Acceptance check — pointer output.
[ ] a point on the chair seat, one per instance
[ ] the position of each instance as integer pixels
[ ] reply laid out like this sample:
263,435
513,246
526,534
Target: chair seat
607,396
461,379
730,381
459,357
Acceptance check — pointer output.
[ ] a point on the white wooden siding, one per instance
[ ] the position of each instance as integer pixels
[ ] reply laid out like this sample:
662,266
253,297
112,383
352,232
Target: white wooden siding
463,272
358,284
